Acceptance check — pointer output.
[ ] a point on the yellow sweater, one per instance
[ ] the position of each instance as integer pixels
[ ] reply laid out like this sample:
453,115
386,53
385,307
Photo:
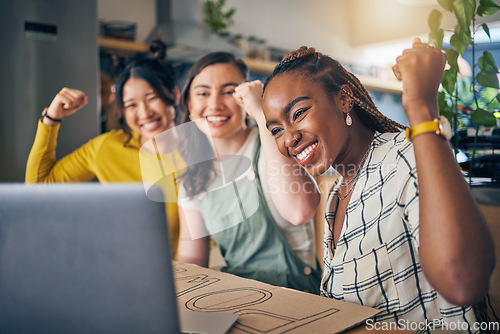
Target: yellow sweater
104,157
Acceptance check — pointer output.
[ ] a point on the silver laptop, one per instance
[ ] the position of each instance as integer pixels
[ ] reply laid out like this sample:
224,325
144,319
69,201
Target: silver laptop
84,258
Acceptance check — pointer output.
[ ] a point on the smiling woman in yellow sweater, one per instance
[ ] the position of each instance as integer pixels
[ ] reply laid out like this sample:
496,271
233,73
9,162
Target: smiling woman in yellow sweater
147,97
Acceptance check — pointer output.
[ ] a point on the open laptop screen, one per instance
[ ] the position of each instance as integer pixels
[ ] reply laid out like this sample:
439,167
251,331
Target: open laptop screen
84,258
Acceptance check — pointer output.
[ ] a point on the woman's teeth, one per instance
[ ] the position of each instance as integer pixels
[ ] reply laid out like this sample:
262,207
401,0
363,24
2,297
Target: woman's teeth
216,119
302,155
151,125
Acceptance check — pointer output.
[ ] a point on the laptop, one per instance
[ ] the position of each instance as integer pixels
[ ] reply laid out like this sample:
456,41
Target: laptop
84,258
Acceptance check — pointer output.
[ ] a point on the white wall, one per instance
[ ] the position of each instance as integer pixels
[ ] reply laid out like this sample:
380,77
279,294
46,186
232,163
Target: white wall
343,29
363,32
286,24
376,21
340,28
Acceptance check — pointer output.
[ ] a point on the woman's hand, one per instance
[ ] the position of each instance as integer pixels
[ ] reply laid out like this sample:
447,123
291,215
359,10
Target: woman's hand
306,199
421,70
67,102
249,96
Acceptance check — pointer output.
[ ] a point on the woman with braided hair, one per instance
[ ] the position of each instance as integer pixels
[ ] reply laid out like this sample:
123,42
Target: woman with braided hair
402,232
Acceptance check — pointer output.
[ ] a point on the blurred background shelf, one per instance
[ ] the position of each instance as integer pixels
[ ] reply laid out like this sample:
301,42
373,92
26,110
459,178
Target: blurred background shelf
122,44
259,66
374,83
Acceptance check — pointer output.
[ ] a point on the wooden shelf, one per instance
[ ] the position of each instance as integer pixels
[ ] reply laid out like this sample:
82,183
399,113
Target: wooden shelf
255,65
121,44
391,86
260,66
267,67
108,43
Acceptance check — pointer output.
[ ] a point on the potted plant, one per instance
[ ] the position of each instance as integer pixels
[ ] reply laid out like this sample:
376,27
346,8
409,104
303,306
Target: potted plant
215,17
467,103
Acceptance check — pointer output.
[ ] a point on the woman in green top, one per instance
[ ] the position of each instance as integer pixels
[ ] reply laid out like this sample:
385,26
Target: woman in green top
256,204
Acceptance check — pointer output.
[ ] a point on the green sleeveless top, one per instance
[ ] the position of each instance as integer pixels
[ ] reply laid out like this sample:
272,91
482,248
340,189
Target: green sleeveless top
238,218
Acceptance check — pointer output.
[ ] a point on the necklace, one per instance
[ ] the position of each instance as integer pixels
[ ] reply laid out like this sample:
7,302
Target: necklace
352,181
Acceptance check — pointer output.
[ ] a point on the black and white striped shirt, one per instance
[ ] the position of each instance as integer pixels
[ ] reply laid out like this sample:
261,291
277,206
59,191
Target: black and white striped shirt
376,262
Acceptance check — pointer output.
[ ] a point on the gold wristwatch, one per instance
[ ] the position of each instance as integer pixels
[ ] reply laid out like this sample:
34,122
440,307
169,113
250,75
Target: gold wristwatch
440,126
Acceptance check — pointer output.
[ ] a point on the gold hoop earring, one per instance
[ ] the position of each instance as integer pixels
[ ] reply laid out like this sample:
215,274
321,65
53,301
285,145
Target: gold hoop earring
348,120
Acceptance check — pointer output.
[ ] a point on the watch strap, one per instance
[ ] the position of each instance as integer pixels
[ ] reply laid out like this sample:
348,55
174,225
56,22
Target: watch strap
424,127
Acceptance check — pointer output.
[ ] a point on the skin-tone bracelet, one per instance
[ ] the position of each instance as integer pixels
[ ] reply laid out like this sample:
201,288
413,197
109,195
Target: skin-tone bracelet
44,114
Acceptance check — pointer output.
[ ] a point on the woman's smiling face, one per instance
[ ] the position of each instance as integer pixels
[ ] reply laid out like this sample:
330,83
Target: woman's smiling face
305,120
144,110
211,97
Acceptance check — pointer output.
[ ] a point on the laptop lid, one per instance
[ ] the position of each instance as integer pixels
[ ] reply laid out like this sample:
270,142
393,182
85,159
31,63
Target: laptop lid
84,258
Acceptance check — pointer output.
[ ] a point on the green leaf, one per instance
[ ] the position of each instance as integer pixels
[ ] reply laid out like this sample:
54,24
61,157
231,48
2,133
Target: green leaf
489,96
487,79
449,80
489,93
452,57
486,30
434,20
442,100
230,13
215,17
487,63
464,11
487,8
446,113
483,117
458,44
444,108
446,4
436,38
461,38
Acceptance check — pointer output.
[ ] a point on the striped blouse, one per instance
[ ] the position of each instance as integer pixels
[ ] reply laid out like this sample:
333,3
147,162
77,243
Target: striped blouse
376,261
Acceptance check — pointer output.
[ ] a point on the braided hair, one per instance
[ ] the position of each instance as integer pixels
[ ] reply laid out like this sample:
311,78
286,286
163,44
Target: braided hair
333,75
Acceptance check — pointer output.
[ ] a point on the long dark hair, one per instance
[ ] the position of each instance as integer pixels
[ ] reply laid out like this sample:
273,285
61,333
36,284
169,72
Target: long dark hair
194,142
158,74
333,75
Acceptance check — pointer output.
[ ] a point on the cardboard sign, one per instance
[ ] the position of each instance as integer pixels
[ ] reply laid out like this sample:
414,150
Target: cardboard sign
263,308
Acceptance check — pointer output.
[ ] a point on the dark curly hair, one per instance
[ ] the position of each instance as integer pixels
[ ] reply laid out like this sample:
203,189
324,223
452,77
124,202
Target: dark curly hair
158,74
